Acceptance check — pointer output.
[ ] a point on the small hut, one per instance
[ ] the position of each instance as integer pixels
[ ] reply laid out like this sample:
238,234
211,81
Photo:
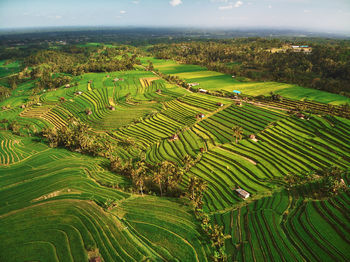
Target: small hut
90,81
4,108
238,103
62,99
111,108
159,91
107,76
88,112
174,137
220,104
252,137
78,93
193,84
115,79
200,116
95,259
201,150
23,106
242,193
201,90
67,86
300,116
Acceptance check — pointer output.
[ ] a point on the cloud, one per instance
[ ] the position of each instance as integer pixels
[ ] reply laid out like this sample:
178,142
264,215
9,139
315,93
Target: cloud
51,16
122,12
225,7
238,4
231,5
135,2
270,6
175,2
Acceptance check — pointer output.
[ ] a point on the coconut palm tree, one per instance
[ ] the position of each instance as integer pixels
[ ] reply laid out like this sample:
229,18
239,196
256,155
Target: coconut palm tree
237,133
158,177
138,175
188,162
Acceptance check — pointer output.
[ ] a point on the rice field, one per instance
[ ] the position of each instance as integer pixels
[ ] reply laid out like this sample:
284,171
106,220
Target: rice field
211,80
58,205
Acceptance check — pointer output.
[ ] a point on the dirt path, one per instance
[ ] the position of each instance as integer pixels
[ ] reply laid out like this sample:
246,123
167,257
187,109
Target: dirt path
246,158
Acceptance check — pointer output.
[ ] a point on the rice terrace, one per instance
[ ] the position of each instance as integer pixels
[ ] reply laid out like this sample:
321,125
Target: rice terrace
172,144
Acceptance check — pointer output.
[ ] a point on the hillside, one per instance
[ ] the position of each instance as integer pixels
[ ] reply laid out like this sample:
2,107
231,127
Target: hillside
106,165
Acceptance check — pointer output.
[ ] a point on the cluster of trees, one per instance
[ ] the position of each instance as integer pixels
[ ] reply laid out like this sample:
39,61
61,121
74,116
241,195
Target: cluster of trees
76,60
326,182
5,92
195,192
48,80
77,136
327,67
163,177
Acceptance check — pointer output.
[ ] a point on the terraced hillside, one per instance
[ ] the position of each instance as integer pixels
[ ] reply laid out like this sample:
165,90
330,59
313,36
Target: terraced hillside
288,229
51,210
58,204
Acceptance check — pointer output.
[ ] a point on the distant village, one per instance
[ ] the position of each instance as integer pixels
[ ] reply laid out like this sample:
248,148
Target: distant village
294,48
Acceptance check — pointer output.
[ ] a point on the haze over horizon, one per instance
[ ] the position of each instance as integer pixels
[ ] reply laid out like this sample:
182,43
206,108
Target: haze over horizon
322,16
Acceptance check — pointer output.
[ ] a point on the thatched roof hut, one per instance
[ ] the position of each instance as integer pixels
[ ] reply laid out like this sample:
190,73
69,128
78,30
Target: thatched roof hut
252,137
300,115
174,137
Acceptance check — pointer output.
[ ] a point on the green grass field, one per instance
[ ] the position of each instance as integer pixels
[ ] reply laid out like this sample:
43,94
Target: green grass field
10,68
211,80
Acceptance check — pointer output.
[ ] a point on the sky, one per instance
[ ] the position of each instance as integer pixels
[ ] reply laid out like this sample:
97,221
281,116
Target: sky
315,15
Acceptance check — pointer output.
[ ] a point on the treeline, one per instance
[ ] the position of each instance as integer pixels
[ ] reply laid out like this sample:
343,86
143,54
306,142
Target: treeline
327,67
163,177
318,184
76,60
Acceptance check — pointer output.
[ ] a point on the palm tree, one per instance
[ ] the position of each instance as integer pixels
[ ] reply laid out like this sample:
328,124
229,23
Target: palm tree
217,236
188,162
158,177
116,163
196,188
192,187
139,174
237,133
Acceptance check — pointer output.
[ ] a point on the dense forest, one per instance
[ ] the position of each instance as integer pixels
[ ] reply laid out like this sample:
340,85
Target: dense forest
326,67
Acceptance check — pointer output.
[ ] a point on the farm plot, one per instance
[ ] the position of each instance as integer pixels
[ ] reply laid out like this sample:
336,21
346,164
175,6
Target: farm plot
169,228
172,119
50,209
282,228
288,146
14,149
252,119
